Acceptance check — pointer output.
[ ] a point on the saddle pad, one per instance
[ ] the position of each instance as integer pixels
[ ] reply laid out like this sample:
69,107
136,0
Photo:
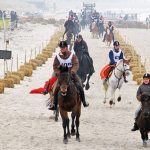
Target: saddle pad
105,71
49,83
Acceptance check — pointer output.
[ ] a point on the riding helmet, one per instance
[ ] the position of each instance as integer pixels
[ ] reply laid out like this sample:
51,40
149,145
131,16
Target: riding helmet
146,75
63,44
79,36
116,43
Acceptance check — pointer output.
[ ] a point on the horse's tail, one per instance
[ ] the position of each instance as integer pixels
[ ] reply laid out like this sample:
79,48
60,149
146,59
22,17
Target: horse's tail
105,85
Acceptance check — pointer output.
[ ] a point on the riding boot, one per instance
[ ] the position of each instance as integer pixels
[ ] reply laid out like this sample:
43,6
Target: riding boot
124,76
135,127
82,96
54,107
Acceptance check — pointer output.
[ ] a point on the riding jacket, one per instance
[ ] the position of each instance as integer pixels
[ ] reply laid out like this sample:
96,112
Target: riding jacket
80,47
115,56
69,59
144,88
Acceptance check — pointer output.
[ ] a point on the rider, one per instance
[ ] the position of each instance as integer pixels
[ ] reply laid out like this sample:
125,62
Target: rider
69,24
80,46
115,55
65,57
111,28
144,88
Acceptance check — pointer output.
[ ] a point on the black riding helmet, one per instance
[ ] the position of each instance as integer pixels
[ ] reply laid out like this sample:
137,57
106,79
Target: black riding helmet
63,44
79,36
116,43
146,75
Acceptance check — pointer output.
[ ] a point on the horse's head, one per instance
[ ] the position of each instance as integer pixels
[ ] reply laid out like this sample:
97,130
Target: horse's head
64,80
123,66
145,100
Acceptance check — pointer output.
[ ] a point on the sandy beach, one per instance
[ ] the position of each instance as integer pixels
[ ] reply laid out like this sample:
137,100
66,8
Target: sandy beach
25,123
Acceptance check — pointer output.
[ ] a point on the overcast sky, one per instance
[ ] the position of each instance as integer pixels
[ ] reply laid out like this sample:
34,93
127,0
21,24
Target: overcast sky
101,5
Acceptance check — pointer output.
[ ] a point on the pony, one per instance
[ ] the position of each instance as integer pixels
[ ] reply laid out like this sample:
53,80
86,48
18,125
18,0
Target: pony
86,68
94,30
109,36
116,80
143,121
68,101
70,37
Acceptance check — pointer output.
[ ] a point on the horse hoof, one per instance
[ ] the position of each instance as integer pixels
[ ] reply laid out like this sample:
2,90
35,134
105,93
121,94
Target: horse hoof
87,87
65,141
104,101
144,143
110,102
119,99
78,139
73,132
68,135
56,119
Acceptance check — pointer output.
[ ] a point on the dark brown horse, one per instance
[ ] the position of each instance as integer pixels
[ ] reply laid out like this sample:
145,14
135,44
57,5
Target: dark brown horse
68,101
143,121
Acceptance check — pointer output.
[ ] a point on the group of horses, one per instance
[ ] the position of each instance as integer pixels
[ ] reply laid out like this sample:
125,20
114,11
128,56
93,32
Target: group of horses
69,98
97,32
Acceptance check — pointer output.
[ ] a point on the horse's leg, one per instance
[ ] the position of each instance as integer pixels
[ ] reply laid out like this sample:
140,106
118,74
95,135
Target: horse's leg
64,116
143,137
87,86
105,86
77,123
105,97
112,100
72,125
56,112
119,97
68,129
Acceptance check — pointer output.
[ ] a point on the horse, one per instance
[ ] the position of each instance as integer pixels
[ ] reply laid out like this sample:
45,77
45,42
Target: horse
109,37
68,101
116,80
143,121
86,68
70,37
94,30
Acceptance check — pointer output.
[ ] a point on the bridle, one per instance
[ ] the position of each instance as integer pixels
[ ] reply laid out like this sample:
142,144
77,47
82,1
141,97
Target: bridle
122,72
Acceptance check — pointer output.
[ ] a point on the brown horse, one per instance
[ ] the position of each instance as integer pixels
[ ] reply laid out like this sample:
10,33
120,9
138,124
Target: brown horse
94,30
143,120
109,37
68,101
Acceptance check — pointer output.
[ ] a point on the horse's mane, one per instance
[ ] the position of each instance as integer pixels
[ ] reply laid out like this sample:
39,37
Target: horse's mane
63,68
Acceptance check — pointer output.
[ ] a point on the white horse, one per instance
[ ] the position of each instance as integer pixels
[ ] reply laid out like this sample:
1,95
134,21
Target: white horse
116,80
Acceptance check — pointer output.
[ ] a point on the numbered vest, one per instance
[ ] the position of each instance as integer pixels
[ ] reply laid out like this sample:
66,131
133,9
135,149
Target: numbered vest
65,62
116,55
